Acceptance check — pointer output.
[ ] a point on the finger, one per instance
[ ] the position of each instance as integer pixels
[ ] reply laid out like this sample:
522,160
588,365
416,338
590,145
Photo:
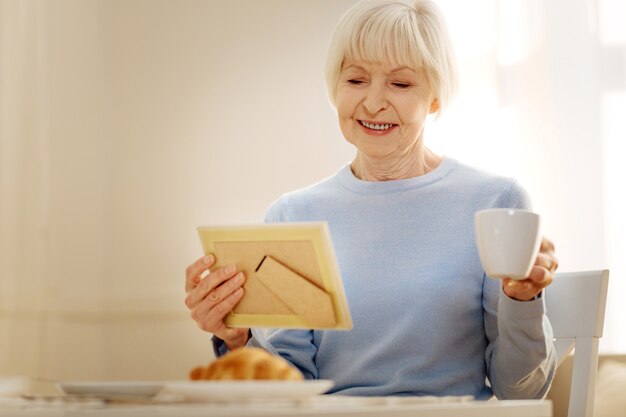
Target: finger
211,319
540,276
227,288
516,284
522,290
208,284
546,245
193,272
546,260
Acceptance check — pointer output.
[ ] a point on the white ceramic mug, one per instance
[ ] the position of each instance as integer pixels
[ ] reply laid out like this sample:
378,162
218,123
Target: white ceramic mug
508,241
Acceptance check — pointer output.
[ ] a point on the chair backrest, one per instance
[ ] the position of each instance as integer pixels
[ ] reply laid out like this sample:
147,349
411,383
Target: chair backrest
575,304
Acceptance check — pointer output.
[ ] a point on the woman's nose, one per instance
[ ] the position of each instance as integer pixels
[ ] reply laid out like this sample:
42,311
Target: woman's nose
375,100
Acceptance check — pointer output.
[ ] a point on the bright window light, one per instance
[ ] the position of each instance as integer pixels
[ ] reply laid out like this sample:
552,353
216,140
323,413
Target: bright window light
611,15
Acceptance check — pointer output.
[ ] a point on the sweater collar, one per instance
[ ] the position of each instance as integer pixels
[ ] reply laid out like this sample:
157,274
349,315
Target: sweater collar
348,180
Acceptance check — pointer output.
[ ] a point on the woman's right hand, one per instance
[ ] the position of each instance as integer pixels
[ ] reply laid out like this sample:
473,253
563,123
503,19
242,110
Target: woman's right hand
212,297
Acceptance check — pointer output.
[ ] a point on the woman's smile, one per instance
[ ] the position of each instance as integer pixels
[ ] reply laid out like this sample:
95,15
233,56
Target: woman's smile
376,128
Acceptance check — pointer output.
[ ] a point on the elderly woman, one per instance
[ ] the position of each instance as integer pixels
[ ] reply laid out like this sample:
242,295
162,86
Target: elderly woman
427,320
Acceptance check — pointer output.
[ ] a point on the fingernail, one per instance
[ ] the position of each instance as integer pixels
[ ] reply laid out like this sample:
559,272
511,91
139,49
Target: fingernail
208,260
239,277
230,269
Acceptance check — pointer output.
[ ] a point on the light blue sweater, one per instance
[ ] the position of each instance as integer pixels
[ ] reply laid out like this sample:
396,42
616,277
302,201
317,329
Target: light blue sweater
427,321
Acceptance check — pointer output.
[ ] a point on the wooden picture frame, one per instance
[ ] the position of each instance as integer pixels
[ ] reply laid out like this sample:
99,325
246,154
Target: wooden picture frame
292,277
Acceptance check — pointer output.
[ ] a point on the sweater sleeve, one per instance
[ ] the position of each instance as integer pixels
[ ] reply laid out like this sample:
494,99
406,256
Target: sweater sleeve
296,346
520,357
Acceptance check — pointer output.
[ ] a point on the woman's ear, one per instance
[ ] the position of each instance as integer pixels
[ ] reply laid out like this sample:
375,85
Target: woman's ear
434,106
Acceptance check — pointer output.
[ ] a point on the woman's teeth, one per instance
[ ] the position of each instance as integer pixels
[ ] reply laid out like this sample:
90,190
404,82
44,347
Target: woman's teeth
377,126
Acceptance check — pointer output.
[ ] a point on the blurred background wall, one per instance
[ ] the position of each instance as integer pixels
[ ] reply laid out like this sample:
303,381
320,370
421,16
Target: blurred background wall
124,124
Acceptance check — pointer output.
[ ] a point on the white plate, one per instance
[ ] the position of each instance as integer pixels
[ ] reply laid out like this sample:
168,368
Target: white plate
112,389
244,390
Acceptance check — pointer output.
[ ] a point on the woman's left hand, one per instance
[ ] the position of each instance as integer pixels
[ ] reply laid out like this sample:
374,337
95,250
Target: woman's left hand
540,276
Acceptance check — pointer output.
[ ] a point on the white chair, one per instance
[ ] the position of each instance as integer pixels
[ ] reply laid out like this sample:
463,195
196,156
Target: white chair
575,304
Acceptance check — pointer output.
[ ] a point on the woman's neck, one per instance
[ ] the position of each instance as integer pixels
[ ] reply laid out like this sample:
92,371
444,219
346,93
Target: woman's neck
416,162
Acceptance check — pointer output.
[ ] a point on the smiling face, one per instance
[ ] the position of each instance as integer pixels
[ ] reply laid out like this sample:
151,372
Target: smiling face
382,108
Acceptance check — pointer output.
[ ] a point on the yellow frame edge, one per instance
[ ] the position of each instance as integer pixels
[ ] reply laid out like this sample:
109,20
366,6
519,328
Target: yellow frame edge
318,234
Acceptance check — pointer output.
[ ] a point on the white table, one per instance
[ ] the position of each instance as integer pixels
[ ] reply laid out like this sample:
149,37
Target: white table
319,406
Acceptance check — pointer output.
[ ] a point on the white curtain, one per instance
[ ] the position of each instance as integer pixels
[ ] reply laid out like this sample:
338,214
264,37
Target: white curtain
544,99
612,81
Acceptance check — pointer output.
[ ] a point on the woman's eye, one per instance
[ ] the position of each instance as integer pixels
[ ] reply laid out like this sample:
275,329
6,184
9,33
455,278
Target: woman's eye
355,82
401,85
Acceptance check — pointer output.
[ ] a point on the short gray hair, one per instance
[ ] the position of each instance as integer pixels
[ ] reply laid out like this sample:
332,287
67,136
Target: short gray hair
401,32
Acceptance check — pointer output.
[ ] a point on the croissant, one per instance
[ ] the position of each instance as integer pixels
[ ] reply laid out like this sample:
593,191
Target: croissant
247,364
